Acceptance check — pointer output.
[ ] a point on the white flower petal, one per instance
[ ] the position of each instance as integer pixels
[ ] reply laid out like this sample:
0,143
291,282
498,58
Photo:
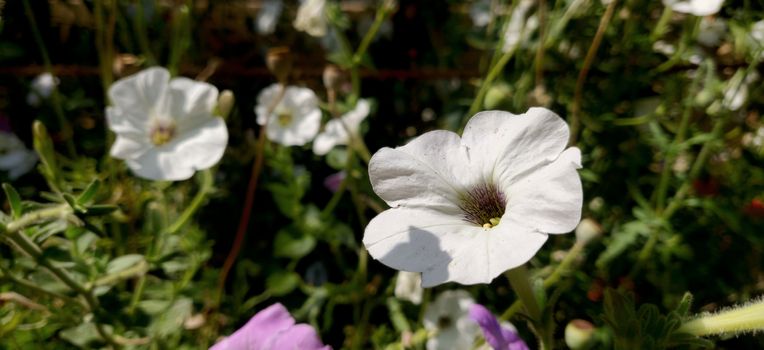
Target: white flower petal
268,16
408,286
128,146
141,94
550,199
459,331
426,172
301,104
179,159
324,143
191,102
520,143
311,18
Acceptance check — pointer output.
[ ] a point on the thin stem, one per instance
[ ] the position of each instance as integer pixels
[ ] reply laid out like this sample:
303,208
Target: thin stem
139,26
65,128
520,281
56,212
486,84
539,59
249,198
204,190
575,118
381,14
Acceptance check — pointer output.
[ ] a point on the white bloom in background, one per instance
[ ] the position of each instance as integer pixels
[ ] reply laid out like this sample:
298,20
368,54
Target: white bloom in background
295,120
736,90
695,7
408,286
336,130
711,31
519,29
311,17
448,317
268,16
468,208
41,88
757,32
15,158
165,127
480,12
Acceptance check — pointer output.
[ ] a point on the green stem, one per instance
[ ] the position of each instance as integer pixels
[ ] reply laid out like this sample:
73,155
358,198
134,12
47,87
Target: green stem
381,14
65,128
486,84
564,266
139,26
660,28
520,281
204,190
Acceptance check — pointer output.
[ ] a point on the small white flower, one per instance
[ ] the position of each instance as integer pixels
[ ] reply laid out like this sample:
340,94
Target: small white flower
695,7
15,158
519,29
480,12
41,88
468,208
448,317
268,16
165,127
336,130
295,120
408,286
311,17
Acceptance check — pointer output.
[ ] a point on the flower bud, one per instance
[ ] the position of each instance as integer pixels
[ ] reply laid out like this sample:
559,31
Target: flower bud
740,319
225,103
497,95
332,77
587,230
279,62
579,334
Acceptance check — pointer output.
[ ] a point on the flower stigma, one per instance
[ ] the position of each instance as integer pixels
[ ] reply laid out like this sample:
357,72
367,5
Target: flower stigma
162,133
483,205
284,118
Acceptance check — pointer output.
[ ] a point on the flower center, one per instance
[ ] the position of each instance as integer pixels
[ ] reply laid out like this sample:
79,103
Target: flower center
444,322
284,118
483,205
162,133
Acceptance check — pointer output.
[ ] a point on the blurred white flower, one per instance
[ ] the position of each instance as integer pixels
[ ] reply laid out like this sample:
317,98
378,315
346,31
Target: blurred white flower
695,7
519,29
165,127
295,120
468,208
268,16
41,88
587,230
736,90
711,31
663,47
408,286
448,317
311,17
757,32
15,158
480,12
336,130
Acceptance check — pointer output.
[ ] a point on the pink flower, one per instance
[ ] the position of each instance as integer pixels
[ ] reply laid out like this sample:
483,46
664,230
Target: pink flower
273,328
498,336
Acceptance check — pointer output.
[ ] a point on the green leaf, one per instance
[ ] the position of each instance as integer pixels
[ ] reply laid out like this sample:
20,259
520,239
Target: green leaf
282,283
83,334
13,199
171,320
89,192
684,305
290,243
100,209
123,262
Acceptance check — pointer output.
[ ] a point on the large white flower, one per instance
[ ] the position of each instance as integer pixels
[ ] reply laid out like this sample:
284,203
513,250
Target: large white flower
336,130
467,209
311,17
448,318
15,158
295,120
695,7
165,128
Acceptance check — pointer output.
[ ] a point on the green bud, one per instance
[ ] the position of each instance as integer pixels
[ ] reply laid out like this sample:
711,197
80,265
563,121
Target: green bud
498,94
579,334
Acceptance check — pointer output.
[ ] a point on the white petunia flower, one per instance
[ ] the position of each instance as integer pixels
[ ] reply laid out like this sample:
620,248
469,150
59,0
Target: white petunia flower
41,88
165,127
311,17
448,318
15,158
408,286
268,16
695,7
468,208
295,120
336,130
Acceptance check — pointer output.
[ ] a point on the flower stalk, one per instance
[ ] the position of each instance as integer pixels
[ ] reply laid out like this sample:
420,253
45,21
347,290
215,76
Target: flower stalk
741,319
520,281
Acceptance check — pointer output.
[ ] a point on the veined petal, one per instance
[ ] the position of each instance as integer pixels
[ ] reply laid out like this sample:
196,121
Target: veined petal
259,331
300,336
191,102
550,199
193,150
141,93
519,143
426,172
413,239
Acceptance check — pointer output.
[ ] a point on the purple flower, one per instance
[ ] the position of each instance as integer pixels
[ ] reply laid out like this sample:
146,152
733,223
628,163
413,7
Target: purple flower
500,338
333,181
272,328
